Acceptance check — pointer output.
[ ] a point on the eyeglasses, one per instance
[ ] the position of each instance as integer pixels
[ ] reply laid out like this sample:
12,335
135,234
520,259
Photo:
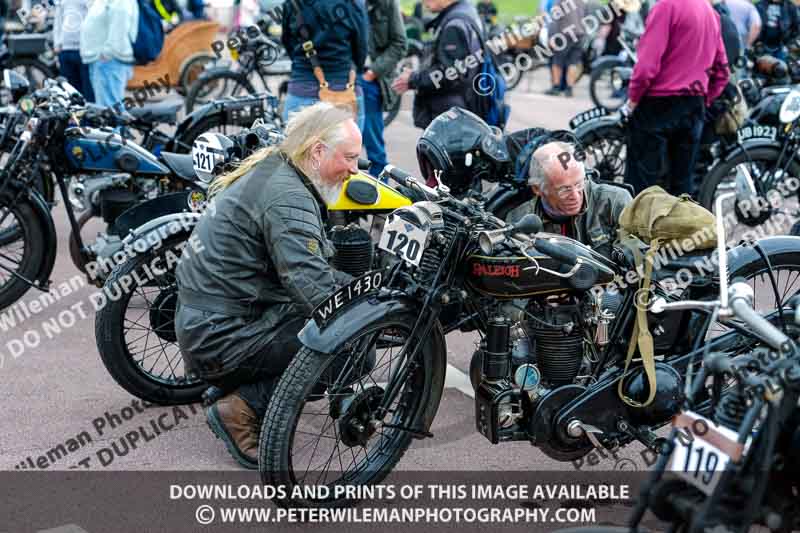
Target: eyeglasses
566,190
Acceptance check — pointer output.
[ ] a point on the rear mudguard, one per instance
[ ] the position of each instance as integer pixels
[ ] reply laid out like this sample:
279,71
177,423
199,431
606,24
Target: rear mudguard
49,238
151,236
583,131
362,315
177,203
751,144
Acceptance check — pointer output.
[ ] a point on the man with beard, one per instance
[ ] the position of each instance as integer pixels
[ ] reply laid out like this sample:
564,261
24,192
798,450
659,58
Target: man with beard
264,268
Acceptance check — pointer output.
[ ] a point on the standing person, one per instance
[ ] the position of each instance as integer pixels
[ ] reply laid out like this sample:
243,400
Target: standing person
458,34
682,67
569,29
780,24
107,34
338,31
745,15
488,12
69,16
387,46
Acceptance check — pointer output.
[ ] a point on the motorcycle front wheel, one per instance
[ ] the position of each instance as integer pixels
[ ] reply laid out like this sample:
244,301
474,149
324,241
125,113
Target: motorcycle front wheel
321,426
21,248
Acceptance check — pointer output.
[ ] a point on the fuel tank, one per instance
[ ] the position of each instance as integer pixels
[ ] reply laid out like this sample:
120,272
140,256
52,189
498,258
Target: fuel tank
105,150
508,274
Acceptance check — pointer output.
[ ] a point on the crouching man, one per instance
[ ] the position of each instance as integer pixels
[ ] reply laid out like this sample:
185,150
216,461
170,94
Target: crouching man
263,270
568,202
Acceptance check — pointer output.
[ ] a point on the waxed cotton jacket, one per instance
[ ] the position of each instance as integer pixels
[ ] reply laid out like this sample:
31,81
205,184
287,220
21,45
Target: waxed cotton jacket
387,45
595,226
264,259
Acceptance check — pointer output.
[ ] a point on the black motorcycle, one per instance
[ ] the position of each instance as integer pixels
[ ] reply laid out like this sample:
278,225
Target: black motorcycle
736,466
370,375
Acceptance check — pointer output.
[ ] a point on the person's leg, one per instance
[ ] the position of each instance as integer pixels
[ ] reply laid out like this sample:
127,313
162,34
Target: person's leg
684,144
294,103
555,72
69,66
86,82
647,162
373,126
101,93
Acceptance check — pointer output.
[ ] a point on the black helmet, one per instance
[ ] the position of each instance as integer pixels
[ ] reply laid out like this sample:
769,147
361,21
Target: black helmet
463,149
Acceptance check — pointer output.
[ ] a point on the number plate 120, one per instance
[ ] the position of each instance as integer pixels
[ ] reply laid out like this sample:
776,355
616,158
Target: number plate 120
403,239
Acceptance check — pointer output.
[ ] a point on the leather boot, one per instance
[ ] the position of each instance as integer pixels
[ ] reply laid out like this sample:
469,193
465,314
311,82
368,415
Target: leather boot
233,421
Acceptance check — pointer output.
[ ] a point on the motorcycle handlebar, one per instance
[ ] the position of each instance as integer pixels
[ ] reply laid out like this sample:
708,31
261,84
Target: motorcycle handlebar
565,257
762,327
404,178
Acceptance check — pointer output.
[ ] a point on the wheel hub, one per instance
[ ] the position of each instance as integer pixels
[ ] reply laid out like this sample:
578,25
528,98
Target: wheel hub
554,441
357,425
753,217
162,315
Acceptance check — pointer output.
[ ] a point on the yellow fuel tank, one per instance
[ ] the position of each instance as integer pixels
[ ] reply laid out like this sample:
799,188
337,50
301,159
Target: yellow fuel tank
362,192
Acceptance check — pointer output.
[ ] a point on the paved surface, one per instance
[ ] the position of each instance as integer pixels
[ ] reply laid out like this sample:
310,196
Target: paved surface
57,392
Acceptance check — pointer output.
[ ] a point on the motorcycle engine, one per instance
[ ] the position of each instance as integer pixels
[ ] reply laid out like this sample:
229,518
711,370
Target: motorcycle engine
353,249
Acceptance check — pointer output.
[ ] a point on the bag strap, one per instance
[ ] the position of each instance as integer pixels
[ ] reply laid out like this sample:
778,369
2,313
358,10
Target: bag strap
640,336
311,52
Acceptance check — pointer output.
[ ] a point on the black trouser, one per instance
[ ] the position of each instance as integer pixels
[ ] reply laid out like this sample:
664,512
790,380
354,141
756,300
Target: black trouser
663,139
255,378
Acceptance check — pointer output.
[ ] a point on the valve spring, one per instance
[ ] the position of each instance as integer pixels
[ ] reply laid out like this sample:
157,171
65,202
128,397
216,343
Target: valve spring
731,409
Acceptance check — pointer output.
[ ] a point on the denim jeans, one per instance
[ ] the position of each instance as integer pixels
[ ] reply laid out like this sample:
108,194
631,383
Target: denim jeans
77,73
373,126
109,79
296,103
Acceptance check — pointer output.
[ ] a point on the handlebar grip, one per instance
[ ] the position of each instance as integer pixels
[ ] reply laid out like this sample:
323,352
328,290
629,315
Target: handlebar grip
401,176
565,257
762,327
364,164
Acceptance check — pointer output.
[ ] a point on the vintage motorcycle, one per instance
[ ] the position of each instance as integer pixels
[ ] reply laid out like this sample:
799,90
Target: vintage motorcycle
370,375
121,175
737,466
128,327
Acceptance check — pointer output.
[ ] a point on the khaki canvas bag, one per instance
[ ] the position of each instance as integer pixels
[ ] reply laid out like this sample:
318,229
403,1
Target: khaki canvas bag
659,218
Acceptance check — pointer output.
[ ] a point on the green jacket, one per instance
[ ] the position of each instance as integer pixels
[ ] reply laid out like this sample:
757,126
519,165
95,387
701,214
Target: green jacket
595,226
387,44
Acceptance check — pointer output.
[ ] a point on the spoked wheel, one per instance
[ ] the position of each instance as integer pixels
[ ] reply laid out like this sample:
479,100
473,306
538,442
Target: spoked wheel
606,152
324,425
607,87
21,249
216,85
774,211
786,269
135,331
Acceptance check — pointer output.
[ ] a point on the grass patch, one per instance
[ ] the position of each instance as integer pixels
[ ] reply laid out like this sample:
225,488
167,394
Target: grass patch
507,9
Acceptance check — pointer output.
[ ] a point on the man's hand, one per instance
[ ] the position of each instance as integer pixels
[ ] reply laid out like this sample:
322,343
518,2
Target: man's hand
400,84
627,109
369,76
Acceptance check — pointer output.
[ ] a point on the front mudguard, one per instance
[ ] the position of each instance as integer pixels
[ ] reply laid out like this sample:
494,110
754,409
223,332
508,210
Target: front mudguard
151,235
42,212
175,204
367,313
745,259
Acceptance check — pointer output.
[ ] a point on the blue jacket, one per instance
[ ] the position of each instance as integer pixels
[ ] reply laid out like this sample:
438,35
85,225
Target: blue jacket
340,31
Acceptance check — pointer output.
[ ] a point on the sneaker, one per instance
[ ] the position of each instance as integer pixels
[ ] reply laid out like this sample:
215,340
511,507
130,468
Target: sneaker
568,92
553,91
232,421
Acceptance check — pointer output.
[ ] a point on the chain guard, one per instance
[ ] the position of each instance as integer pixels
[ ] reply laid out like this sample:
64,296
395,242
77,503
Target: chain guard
552,442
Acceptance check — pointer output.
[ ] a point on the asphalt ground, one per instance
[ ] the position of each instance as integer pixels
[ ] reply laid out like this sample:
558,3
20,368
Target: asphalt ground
57,391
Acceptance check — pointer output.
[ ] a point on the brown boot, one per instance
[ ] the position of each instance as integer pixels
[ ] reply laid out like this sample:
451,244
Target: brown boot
232,420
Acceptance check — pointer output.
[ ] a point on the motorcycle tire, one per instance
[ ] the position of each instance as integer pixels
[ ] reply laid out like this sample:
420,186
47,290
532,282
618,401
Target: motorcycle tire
28,244
115,348
307,383
200,88
604,149
34,70
597,78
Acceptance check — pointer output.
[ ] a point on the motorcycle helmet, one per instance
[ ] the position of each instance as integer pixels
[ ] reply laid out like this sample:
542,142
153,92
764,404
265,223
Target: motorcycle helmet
210,153
462,150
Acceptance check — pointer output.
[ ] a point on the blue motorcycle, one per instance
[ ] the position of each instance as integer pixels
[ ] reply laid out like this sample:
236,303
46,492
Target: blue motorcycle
95,168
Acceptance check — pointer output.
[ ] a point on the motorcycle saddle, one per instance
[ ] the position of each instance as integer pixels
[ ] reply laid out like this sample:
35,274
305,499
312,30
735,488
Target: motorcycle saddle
180,164
164,112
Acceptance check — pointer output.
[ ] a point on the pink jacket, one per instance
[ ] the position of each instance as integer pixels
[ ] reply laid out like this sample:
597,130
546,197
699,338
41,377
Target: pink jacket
681,52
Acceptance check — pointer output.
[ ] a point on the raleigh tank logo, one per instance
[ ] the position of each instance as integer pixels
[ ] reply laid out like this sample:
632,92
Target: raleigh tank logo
509,271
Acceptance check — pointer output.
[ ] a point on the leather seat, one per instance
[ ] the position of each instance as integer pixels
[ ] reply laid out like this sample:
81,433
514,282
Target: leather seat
164,112
181,165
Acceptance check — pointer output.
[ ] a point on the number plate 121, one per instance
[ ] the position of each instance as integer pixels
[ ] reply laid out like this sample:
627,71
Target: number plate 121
403,239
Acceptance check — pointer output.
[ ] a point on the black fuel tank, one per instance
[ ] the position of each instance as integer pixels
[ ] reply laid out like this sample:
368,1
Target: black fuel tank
507,274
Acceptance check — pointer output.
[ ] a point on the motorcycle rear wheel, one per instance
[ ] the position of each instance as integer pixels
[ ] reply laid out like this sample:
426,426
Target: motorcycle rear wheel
300,388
